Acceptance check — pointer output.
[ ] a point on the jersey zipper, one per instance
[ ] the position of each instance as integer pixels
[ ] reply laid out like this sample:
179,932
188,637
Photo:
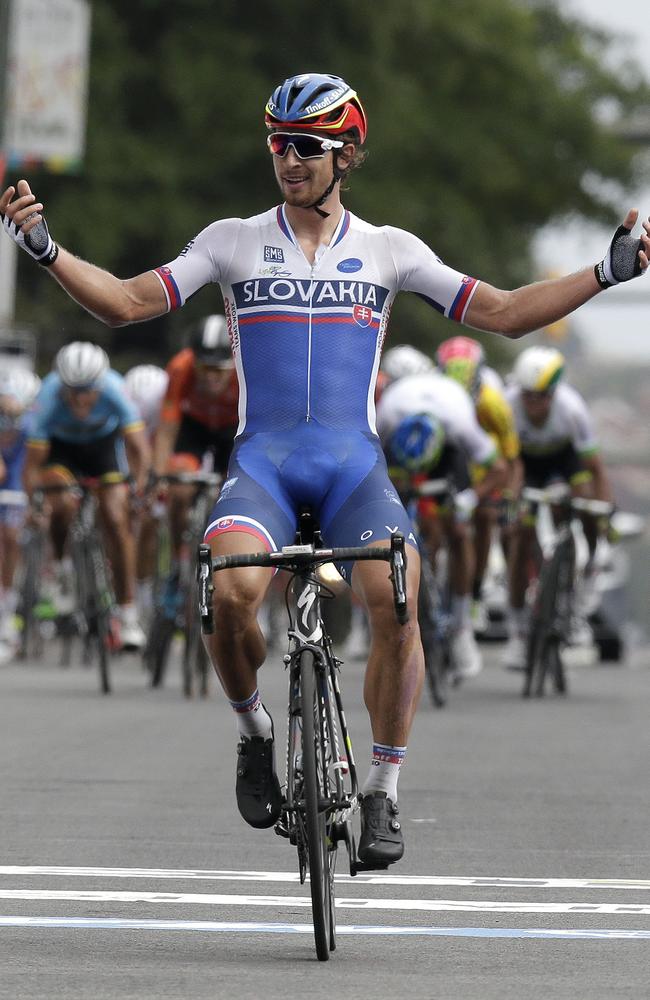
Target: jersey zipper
309,335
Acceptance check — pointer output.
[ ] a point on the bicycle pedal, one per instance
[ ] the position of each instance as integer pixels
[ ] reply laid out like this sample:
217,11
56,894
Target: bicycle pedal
282,830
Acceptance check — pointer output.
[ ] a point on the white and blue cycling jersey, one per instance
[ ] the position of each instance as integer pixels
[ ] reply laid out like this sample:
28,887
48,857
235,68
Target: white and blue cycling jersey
307,340
54,420
307,337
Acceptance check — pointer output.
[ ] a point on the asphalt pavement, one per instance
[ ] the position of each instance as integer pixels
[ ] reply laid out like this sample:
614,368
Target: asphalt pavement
125,870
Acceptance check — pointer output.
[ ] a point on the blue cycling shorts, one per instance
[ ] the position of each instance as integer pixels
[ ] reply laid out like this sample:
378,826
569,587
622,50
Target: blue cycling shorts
341,476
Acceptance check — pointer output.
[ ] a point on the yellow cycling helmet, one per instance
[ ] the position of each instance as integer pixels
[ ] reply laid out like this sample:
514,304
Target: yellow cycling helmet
538,369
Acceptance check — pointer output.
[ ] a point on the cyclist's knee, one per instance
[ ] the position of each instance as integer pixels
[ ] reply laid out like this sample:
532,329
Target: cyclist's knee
236,600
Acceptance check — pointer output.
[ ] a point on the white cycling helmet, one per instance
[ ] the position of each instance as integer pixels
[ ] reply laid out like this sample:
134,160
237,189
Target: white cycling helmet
21,384
81,365
405,360
538,369
146,385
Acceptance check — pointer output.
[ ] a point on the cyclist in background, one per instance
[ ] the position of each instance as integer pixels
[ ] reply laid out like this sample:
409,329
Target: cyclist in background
558,444
428,426
146,386
18,390
307,346
86,426
199,414
463,359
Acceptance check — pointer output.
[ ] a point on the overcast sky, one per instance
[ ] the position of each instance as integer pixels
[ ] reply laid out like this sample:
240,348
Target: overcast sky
617,323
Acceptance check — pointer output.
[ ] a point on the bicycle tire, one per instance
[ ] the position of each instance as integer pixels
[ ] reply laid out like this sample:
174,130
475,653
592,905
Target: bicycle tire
98,610
315,825
195,658
29,597
435,667
558,671
550,621
156,655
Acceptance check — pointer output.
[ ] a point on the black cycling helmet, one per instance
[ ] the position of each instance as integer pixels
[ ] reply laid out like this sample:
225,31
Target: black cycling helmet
210,341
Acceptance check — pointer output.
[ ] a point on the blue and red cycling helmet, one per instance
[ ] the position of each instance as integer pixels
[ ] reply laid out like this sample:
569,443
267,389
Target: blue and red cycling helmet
317,102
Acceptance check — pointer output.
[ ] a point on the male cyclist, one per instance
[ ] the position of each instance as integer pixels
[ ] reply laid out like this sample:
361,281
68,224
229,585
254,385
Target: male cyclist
463,359
428,427
86,426
18,390
199,414
558,444
145,386
308,288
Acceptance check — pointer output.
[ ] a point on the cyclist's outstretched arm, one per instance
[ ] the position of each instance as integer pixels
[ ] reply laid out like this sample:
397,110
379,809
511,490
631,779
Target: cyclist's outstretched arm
112,300
531,307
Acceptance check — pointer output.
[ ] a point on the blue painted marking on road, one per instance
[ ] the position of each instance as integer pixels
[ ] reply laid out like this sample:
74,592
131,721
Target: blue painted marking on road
224,927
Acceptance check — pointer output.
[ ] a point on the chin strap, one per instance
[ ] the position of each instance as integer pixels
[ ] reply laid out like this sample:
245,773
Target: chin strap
338,175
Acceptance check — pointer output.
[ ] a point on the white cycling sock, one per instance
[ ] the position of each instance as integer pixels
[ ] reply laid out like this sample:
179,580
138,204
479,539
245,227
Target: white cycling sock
252,717
384,770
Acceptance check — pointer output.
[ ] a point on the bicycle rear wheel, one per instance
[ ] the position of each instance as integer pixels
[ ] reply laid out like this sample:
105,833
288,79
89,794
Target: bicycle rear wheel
322,902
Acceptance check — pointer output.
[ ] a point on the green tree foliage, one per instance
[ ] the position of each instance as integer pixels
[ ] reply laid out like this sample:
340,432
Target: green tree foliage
485,122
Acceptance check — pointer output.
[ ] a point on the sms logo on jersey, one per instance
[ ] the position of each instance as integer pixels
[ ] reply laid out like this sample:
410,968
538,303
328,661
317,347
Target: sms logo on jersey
273,255
362,315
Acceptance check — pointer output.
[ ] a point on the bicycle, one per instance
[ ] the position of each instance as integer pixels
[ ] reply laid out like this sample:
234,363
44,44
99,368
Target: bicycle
554,598
321,787
176,600
94,617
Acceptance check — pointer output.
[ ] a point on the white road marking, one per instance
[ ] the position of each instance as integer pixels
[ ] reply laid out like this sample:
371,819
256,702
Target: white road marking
116,923
227,875
279,902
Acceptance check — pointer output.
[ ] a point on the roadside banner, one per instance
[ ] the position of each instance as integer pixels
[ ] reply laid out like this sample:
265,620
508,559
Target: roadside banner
46,83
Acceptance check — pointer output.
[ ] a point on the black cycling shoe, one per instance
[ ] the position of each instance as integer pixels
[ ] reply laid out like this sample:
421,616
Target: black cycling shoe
381,840
259,798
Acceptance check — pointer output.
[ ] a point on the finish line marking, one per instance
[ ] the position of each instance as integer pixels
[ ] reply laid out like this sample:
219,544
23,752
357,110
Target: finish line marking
210,926
218,899
226,875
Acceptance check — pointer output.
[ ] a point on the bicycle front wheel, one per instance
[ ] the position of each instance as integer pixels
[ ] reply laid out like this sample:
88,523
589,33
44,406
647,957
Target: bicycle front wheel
100,602
322,901
434,656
